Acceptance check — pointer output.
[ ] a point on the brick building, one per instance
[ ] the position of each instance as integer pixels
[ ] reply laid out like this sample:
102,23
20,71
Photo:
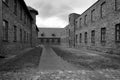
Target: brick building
65,37
72,28
16,26
50,36
98,28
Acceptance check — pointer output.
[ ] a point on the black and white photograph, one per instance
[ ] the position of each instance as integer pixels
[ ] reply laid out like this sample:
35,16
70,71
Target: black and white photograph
59,39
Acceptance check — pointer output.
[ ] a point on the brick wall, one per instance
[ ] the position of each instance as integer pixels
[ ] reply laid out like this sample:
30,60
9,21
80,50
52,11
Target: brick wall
8,14
108,19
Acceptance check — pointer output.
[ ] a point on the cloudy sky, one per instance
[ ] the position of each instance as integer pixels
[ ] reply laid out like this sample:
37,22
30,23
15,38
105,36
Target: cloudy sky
54,13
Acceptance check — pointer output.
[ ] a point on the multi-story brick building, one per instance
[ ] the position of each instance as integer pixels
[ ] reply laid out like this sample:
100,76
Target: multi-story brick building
72,28
34,30
16,26
98,28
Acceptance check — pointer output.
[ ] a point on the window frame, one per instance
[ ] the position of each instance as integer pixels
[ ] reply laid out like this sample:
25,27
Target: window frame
15,33
93,36
5,30
86,38
80,38
103,35
117,33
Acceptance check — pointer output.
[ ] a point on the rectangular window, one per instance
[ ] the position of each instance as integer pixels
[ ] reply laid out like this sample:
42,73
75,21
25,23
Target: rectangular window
15,7
5,30
24,17
117,33
103,35
85,21
76,38
24,36
86,37
15,33
80,40
80,22
20,35
21,12
103,9
93,36
117,4
93,15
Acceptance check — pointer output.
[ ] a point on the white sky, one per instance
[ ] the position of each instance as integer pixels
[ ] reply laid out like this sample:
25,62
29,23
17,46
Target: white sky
54,13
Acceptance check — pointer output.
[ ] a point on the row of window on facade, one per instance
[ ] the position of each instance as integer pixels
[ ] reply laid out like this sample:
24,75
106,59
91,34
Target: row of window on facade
24,35
103,36
102,12
23,14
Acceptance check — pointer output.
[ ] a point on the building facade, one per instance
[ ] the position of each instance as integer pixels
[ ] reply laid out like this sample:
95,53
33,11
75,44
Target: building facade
72,28
98,28
16,23
50,36
65,37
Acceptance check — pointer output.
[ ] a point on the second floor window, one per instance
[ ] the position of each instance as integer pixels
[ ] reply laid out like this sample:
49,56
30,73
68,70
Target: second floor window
93,15
85,21
15,7
117,33
5,30
103,9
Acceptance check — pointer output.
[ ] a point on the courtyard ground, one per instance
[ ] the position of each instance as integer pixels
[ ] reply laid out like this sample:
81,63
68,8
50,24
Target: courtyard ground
61,63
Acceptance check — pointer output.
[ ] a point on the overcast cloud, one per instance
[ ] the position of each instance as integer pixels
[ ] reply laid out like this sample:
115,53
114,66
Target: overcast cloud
54,13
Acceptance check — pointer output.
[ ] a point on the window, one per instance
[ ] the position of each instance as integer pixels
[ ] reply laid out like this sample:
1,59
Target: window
53,35
80,40
102,9
6,1
15,7
80,22
85,21
21,12
117,33
42,34
117,4
93,15
93,36
25,17
24,36
103,35
15,33
5,30
86,37
76,38
21,35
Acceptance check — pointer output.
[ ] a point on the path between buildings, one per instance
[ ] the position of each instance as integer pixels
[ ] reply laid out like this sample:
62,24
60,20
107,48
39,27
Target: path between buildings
50,61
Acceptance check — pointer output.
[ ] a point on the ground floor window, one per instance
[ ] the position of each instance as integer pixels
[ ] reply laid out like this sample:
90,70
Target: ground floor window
80,40
117,33
103,36
93,36
86,37
5,30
